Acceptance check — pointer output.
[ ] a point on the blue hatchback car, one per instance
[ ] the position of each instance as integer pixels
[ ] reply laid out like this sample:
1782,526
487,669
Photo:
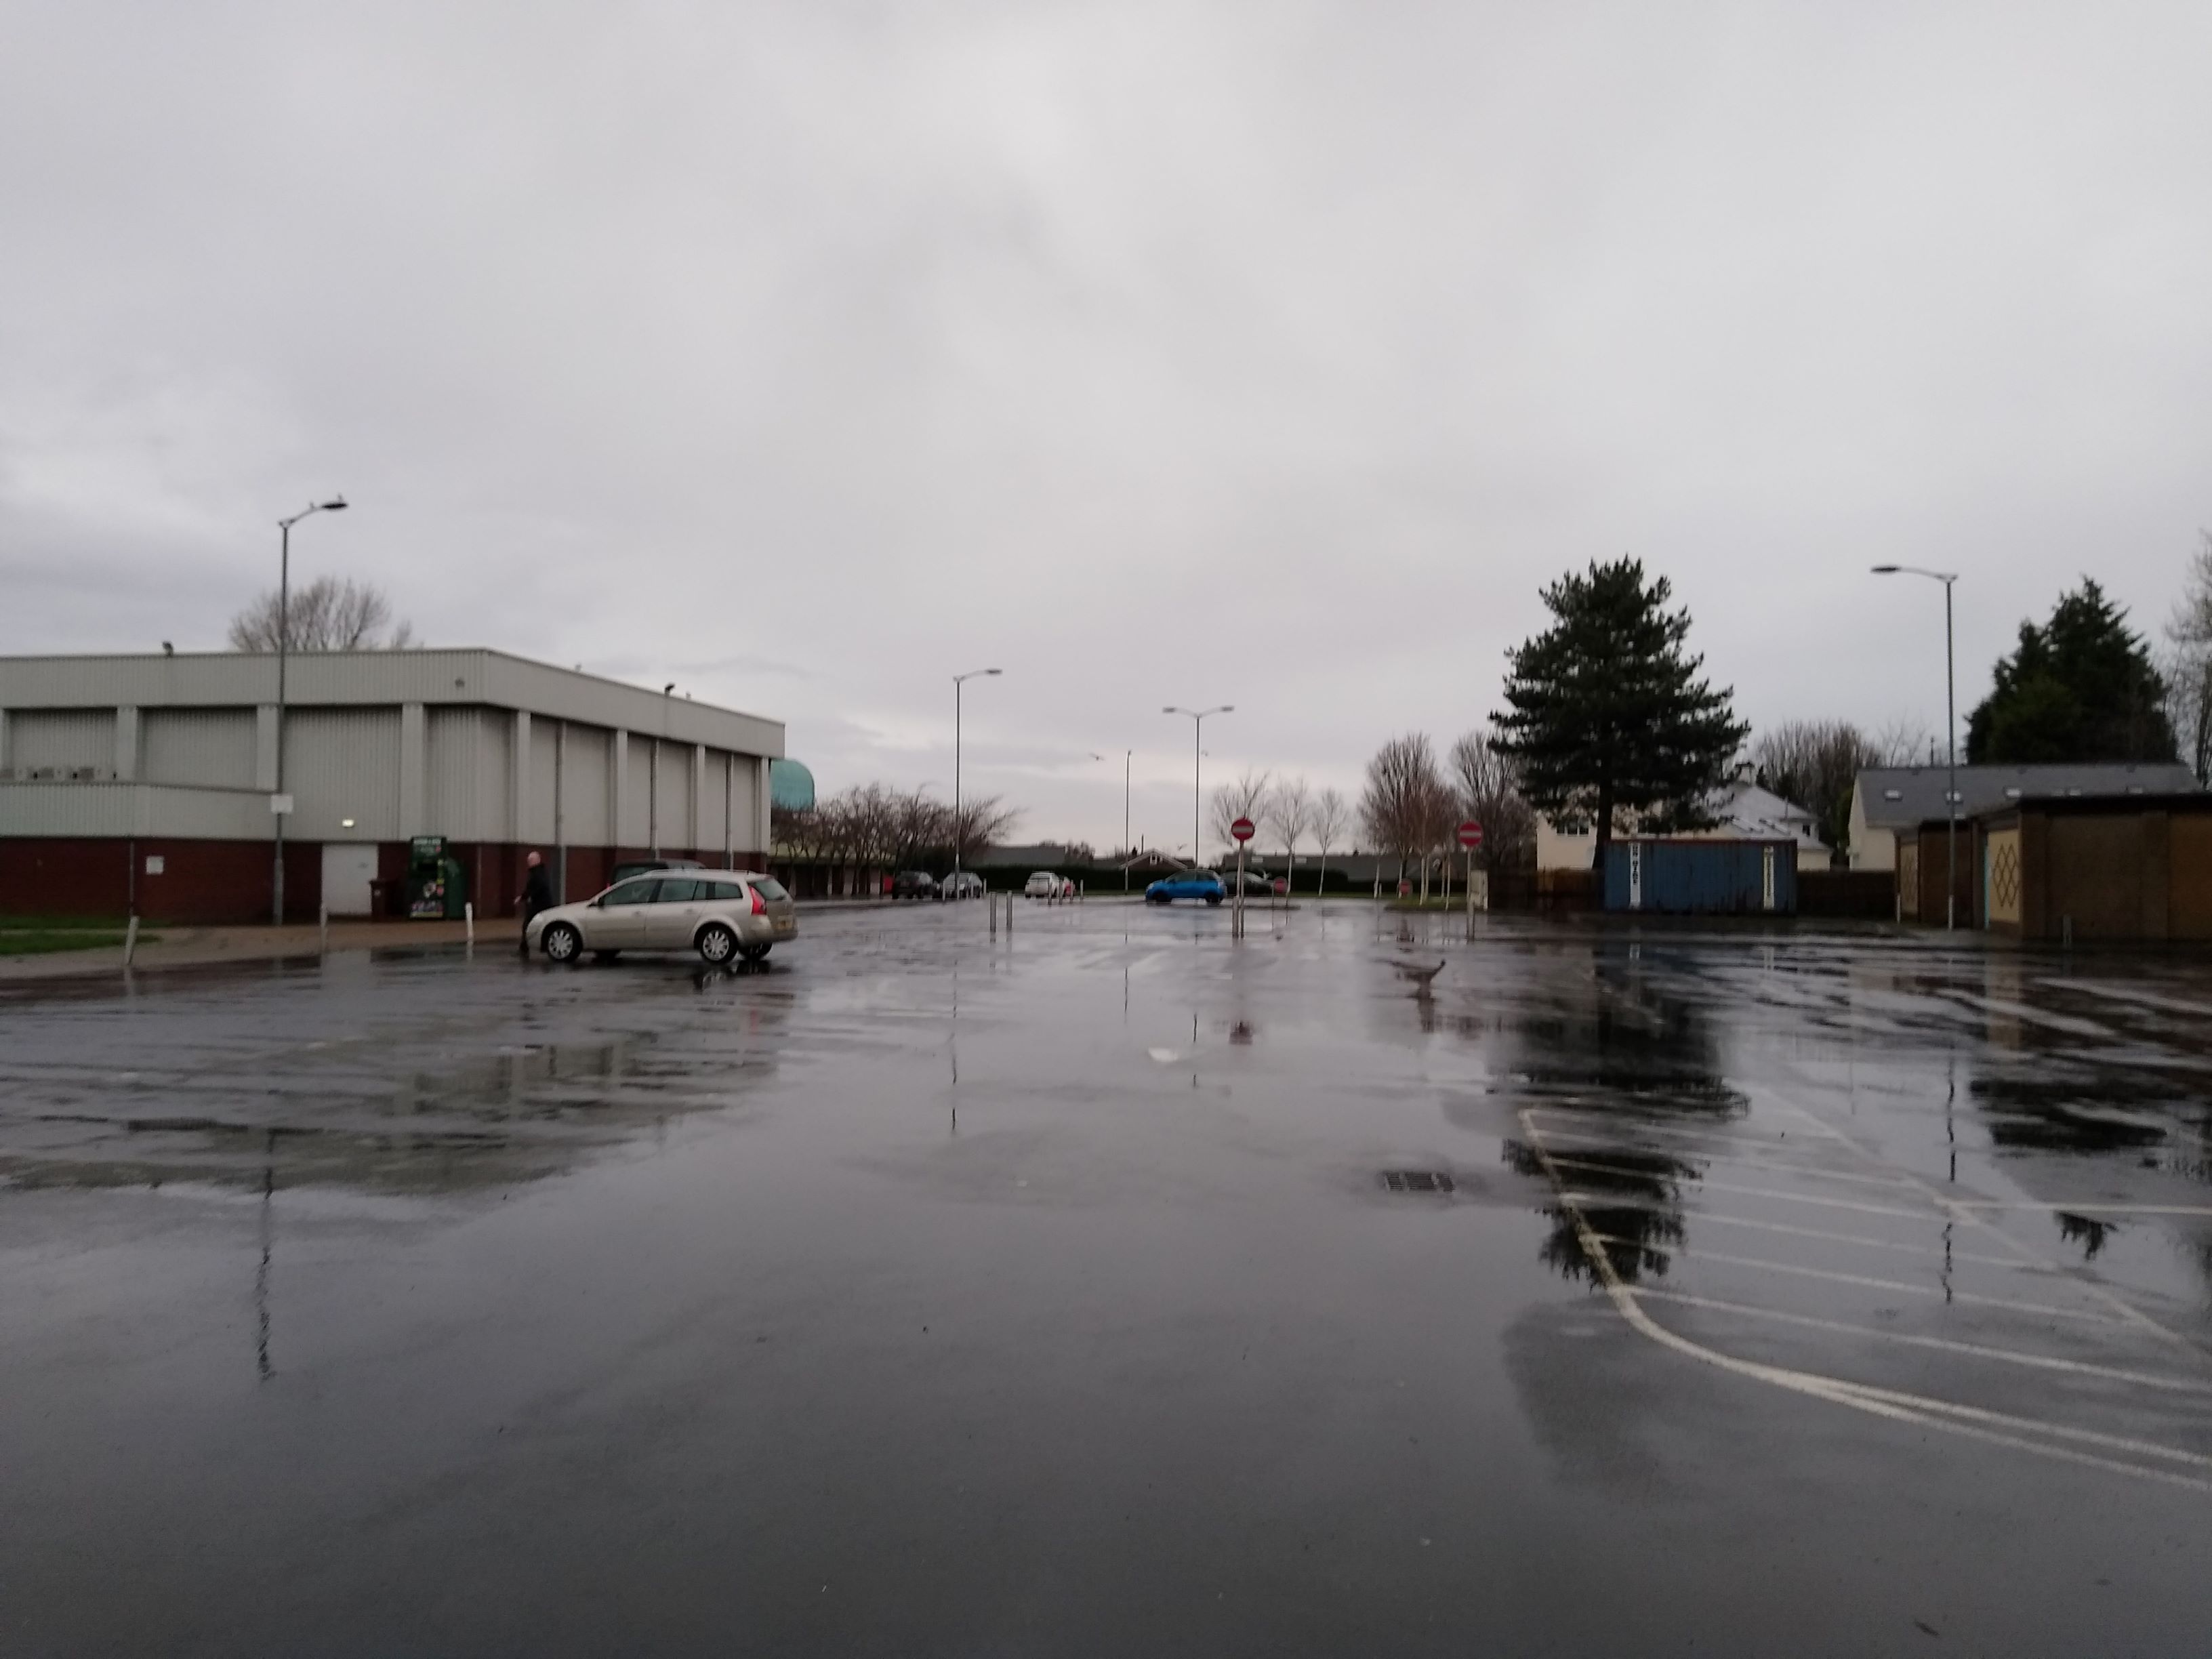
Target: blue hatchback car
1187,884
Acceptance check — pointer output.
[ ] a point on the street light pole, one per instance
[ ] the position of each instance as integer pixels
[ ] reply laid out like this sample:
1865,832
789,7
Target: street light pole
1950,734
335,504
1128,857
1197,726
959,824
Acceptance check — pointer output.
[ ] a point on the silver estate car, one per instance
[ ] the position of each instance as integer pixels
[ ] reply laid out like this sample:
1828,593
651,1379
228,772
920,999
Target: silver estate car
725,915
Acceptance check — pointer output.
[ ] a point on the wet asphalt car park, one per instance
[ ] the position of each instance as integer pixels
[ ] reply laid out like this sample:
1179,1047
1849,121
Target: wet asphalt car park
1112,1287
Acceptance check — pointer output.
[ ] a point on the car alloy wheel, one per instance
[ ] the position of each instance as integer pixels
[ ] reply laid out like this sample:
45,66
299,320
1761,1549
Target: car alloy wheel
561,942
717,944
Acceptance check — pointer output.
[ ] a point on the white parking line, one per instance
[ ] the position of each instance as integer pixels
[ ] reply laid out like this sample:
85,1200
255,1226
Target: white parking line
1807,1174
2018,1433
1948,1345
1909,1289
2008,1263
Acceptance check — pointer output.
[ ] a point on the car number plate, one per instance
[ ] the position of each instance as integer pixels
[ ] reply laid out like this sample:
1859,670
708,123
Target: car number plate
785,929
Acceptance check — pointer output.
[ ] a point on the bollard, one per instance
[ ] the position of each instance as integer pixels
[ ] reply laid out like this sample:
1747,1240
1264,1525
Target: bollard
131,939
469,923
991,903
324,924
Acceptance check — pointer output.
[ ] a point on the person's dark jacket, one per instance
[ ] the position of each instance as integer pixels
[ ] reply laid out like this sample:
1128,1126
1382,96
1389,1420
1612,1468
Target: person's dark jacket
536,892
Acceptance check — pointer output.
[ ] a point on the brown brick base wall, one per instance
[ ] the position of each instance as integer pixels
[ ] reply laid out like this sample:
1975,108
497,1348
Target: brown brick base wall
210,883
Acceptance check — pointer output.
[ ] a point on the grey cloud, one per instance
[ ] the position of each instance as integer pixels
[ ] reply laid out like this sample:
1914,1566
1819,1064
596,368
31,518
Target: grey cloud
1160,354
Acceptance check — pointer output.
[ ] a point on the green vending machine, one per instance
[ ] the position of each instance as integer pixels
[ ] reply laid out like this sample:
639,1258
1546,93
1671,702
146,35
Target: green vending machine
436,887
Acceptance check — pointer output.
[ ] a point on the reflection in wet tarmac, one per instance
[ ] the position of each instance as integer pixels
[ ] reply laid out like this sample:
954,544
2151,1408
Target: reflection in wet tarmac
1113,1286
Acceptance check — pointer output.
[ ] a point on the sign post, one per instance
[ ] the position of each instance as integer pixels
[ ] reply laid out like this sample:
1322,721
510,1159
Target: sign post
1470,837
1242,829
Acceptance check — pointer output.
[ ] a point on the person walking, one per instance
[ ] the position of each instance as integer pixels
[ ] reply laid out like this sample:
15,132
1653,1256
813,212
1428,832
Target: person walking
537,894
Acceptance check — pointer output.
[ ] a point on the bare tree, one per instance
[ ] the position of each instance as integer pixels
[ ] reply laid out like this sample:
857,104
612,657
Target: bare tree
328,614
2189,663
1246,797
1290,816
1903,742
1489,784
1332,821
983,822
1400,797
1815,765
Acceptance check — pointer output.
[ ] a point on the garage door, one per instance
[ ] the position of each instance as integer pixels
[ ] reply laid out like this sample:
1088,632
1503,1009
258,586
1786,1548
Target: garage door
347,869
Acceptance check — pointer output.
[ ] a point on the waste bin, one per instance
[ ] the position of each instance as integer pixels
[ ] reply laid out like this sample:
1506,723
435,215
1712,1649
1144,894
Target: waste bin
437,887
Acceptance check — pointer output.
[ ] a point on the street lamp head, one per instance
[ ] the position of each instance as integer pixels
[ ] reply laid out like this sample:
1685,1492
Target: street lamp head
994,670
335,504
1887,569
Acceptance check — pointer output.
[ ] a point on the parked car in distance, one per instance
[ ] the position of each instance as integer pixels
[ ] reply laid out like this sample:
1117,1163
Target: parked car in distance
1042,883
913,884
1255,881
630,867
961,884
725,915
1186,884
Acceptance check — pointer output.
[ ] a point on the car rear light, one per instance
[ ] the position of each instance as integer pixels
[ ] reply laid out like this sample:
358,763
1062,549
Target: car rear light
760,908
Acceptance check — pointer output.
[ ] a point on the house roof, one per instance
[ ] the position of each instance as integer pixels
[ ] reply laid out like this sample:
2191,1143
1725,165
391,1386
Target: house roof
1903,797
1754,813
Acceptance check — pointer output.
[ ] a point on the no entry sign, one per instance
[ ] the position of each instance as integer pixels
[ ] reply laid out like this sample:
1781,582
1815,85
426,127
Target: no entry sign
1470,835
1242,829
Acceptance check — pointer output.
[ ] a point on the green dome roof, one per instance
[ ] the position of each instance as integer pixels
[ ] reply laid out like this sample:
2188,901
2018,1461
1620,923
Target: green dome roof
790,786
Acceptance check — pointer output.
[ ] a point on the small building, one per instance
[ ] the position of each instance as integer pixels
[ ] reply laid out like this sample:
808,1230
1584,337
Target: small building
1687,876
2098,868
1743,809
1888,801
148,784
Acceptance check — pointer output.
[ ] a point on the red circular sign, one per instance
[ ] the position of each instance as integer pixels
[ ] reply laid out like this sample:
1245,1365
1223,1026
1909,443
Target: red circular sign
1470,835
1242,828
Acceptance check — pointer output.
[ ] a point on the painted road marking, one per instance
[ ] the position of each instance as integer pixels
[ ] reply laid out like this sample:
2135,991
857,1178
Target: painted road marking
2040,1308
1948,1345
1992,1428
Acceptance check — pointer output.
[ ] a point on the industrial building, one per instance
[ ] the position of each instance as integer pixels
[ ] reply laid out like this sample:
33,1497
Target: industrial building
1888,802
151,784
2067,867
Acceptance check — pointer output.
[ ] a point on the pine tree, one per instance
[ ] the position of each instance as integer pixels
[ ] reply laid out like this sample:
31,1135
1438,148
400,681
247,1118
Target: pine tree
2081,689
1607,711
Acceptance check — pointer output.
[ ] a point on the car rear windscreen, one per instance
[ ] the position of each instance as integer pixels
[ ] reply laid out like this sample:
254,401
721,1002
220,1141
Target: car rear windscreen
769,888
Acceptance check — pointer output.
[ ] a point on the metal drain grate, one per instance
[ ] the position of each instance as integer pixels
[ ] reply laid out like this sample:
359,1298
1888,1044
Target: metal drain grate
1417,1181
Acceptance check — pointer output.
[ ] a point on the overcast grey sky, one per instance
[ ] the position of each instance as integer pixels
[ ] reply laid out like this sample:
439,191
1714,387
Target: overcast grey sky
1273,354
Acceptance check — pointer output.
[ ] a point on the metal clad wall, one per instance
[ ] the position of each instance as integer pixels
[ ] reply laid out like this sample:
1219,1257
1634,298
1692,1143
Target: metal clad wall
712,824
633,829
495,815
342,763
212,747
77,810
64,737
451,737
1701,878
746,806
230,679
675,826
544,753
586,786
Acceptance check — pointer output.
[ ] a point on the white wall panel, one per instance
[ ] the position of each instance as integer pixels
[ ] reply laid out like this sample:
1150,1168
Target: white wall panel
586,788
538,811
673,770
209,747
451,757
633,829
67,739
494,816
342,763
